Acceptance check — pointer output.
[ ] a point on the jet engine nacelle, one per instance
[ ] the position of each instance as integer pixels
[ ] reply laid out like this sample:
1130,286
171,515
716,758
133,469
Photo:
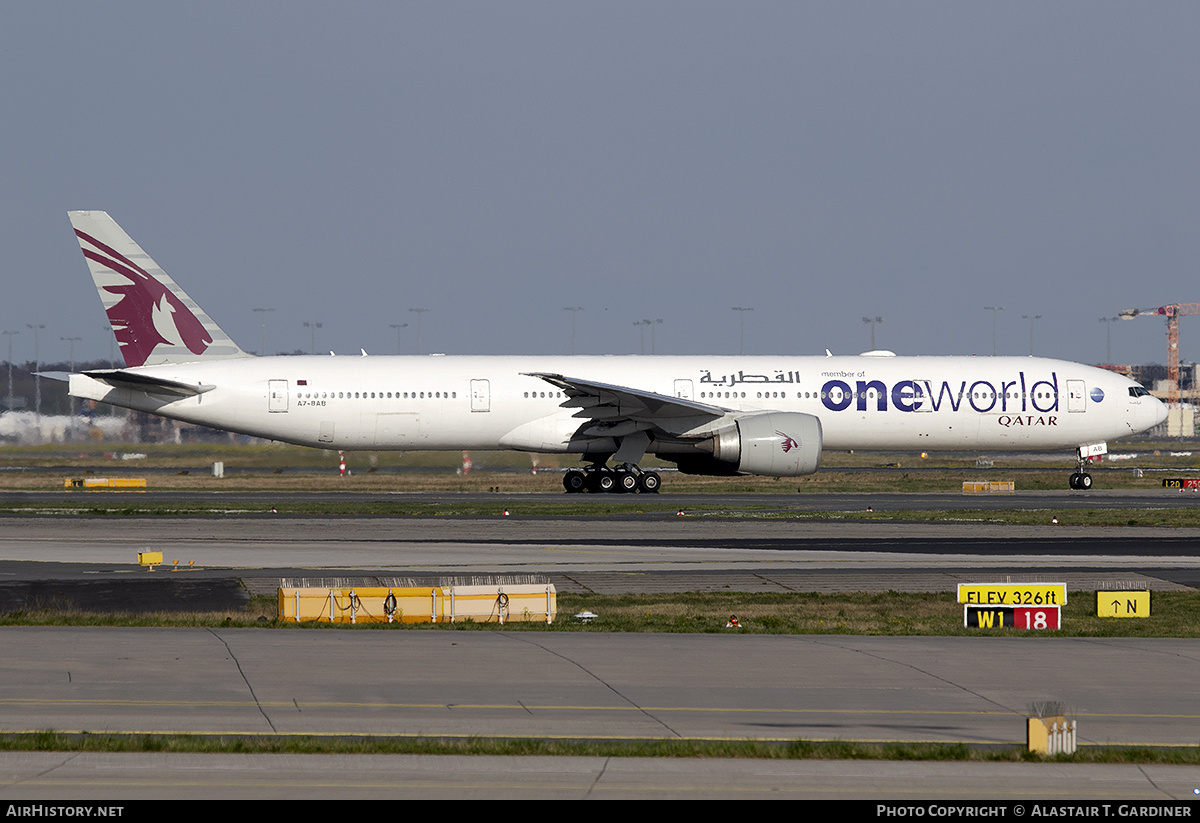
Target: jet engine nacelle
775,444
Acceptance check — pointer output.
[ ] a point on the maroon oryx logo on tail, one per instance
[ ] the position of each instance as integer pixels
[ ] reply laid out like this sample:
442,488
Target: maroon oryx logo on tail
788,443
140,318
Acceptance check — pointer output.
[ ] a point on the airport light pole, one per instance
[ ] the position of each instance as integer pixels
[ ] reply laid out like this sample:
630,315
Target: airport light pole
1031,318
873,321
653,348
419,312
398,327
8,402
741,310
37,367
574,310
263,314
312,327
993,310
71,341
642,324
1107,321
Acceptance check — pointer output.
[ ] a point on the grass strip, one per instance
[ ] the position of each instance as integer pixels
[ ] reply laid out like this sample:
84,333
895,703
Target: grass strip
50,740
1098,516
895,614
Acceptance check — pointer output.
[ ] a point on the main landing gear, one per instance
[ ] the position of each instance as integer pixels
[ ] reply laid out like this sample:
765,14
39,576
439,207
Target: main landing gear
624,479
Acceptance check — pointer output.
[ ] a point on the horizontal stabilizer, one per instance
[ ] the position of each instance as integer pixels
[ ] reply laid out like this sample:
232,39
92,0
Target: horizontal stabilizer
136,381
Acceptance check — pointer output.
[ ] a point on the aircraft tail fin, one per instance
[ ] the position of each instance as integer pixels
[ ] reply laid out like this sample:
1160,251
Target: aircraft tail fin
153,319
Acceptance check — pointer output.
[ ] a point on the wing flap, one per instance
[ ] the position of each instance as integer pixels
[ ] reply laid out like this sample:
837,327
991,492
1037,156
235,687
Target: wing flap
611,405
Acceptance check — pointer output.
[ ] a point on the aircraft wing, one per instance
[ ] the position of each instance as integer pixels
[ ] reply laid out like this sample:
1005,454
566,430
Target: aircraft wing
627,409
123,379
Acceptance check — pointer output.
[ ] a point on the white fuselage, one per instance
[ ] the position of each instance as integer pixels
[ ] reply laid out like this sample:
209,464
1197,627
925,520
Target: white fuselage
491,402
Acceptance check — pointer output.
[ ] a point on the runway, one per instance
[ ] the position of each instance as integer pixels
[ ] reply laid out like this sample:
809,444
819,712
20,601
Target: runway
603,554
47,776
461,684
470,685
464,684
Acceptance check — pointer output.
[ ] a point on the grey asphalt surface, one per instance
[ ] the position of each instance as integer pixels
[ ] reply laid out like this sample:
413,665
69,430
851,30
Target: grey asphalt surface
462,685
940,789
90,561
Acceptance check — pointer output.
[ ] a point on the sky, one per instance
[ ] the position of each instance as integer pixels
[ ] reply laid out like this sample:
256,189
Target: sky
498,163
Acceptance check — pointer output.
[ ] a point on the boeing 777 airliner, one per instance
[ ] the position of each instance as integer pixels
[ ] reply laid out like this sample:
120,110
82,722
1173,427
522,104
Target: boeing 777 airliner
722,415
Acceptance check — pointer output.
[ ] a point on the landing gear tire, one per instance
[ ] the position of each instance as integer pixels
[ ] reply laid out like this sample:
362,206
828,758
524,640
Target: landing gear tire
603,481
575,482
624,479
1081,481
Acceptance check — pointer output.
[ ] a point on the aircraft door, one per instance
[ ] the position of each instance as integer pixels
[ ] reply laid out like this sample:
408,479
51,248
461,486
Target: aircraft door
481,396
1076,396
277,395
683,389
922,392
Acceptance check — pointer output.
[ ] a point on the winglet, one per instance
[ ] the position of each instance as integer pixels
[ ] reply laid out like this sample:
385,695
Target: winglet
153,319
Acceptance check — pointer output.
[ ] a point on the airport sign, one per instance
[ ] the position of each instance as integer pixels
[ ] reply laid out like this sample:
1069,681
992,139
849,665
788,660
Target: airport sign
1031,618
1123,604
1013,594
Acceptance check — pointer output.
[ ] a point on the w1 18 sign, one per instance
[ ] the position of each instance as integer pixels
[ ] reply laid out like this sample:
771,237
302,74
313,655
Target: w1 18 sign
1032,618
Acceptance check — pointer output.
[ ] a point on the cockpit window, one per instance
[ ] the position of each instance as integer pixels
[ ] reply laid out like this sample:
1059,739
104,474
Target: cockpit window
1137,391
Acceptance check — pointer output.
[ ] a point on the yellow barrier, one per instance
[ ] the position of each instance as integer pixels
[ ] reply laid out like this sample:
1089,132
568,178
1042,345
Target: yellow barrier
421,604
105,483
150,558
988,487
502,603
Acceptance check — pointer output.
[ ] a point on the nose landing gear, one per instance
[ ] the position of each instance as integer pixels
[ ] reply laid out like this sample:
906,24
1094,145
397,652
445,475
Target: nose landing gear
1081,480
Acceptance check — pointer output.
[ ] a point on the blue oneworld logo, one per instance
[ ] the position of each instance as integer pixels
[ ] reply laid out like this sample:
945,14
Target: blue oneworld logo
1007,396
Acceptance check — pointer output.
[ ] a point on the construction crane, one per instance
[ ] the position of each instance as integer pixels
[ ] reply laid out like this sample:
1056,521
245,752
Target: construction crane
1172,312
